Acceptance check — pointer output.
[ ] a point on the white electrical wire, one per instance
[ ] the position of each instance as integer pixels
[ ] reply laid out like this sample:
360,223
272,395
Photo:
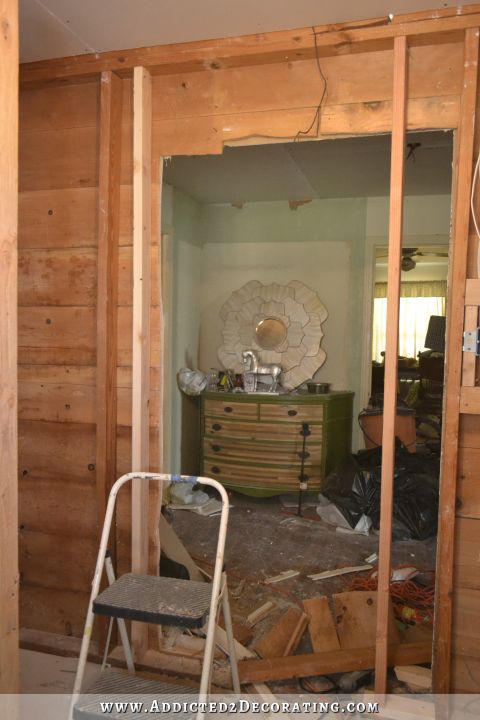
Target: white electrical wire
477,230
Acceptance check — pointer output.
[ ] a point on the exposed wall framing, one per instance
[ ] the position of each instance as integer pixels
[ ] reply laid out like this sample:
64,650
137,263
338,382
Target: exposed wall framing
142,202
397,165
205,95
9,669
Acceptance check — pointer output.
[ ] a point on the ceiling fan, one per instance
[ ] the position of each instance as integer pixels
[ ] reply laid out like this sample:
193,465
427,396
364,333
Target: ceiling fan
409,255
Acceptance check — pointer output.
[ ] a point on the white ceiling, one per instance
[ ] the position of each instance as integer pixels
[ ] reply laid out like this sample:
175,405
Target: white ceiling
350,167
54,28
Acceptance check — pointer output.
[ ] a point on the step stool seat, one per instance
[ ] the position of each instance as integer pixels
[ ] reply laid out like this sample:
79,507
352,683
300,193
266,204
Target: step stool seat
120,687
159,600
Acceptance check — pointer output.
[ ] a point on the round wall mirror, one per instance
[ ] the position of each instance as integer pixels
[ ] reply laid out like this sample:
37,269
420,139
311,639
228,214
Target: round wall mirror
270,333
281,323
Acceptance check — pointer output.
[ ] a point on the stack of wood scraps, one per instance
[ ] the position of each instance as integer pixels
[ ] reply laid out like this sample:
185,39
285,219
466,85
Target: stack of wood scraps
341,643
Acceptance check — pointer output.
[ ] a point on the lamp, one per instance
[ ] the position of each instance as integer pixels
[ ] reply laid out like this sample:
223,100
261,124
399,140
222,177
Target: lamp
435,337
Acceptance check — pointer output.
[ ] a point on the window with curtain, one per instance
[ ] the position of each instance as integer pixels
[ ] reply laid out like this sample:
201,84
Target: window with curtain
418,300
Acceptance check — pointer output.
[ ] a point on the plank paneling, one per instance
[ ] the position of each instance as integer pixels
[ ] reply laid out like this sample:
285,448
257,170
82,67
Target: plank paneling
64,218
470,431
57,277
203,135
53,610
56,451
64,562
67,509
467,553
465,625
61,107
468,485
56,159
465,674
296,84
67,218
67,394
57,353
61,335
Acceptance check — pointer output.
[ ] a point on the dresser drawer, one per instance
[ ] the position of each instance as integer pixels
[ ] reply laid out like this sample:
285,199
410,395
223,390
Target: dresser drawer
282,453
259,431
244,475
225,408
292,413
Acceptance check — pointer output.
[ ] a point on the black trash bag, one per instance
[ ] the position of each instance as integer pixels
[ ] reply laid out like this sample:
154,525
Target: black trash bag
415,507
349,487
354,488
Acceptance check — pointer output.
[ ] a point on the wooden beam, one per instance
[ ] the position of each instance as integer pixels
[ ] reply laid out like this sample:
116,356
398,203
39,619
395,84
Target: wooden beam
463,167
282,46
142,137
328,663
107,299
391,356
9,669
107,286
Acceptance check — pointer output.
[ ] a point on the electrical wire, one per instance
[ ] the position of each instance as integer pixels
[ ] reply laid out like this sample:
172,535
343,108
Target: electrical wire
316,118
472,207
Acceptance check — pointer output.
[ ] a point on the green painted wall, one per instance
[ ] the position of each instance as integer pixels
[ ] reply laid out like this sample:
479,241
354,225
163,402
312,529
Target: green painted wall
321,243
187,258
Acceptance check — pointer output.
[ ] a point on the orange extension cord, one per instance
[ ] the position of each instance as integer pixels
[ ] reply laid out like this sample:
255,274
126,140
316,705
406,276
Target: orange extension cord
412,603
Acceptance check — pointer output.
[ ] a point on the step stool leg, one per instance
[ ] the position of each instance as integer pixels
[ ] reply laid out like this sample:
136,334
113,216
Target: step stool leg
122,628
230,639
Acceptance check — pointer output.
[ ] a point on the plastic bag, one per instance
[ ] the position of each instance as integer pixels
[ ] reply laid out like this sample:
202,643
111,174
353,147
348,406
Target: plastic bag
354,488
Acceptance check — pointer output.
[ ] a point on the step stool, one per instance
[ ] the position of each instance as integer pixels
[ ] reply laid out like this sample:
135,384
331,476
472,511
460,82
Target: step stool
151,599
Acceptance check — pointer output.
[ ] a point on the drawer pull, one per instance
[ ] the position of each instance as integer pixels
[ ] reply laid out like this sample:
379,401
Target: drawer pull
292,413
216,448
216,426
303,454
228,409
215,470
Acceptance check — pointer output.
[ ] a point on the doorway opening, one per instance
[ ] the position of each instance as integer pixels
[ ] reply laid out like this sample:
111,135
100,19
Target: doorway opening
316,214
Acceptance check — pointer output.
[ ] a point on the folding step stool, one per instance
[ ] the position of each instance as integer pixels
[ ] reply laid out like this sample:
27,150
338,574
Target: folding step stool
151,599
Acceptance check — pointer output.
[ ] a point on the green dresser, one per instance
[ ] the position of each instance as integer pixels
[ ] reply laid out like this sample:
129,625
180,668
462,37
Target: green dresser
254,443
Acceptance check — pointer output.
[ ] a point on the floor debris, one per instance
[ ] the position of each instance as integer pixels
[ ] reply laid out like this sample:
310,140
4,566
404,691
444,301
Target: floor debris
260,613
283,638
417,678
340,571
285,575
356,618
322,630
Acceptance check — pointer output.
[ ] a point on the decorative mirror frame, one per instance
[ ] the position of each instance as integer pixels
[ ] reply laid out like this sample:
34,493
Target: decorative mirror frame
301,311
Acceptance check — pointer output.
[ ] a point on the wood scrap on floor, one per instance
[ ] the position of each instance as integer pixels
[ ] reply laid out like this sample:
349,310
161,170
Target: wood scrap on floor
285,575
323,633
416,677
339,571
260,613
356,619
329,663
284,636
